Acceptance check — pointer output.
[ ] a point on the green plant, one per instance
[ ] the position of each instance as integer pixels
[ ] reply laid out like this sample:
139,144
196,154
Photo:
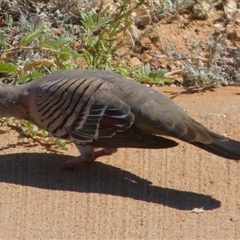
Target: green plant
35,133
7,67
37,49
210,73
43,48
170,9
146,75
204,64
101,36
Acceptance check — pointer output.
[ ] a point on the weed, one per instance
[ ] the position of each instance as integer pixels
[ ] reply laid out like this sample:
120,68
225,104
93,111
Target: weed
170,9
101,36
208,68
53,52
147,75
29,50
36,50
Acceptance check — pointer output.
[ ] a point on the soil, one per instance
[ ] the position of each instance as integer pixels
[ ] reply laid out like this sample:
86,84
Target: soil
179,193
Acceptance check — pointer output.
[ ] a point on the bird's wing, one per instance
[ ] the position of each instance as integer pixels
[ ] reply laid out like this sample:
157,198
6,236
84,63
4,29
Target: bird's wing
83,108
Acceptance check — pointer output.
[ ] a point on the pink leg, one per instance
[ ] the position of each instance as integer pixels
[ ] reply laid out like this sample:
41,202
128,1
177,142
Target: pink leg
72,163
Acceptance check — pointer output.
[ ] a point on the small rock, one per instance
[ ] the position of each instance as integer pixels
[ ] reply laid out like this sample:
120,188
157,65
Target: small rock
236,16
136,34
155,63
146,57
142,21
200,63
197,210
178,63
231,34
234,218
134,62
25,140
203,10
217,25
220,29
229,7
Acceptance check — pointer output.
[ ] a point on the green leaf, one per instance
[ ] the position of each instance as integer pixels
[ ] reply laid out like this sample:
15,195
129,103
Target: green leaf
104,21
61,144
34,33
8,20
7,67
28,77
88,58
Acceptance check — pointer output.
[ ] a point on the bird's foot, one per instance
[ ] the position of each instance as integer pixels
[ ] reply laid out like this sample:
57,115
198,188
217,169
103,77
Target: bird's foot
72,163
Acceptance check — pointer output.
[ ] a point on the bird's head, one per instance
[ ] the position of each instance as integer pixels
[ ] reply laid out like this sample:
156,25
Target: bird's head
10,101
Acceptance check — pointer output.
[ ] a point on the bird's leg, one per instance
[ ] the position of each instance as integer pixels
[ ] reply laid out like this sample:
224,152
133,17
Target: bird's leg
87,155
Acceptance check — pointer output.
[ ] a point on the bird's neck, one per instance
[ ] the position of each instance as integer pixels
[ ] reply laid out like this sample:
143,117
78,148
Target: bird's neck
13,101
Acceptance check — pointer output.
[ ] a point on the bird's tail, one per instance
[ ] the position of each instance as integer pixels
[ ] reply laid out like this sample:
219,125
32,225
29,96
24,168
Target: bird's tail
211,142
226,148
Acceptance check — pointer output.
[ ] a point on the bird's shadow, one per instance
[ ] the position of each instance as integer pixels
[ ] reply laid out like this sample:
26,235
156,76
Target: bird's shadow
43,170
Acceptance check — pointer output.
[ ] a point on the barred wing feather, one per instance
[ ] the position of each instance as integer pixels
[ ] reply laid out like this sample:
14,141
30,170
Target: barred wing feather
82,109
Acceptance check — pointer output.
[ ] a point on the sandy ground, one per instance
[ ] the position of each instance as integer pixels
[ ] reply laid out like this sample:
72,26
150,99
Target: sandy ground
180,193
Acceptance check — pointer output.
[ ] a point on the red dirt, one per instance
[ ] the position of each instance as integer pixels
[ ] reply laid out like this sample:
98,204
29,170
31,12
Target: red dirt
133,194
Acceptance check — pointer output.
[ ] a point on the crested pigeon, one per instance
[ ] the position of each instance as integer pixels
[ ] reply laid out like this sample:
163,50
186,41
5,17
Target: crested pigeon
99,109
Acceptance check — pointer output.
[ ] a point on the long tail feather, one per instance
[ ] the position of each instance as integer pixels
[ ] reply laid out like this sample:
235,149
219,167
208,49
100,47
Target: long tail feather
228,149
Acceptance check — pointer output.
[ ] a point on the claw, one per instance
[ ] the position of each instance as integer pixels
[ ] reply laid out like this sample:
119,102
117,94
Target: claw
72,163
